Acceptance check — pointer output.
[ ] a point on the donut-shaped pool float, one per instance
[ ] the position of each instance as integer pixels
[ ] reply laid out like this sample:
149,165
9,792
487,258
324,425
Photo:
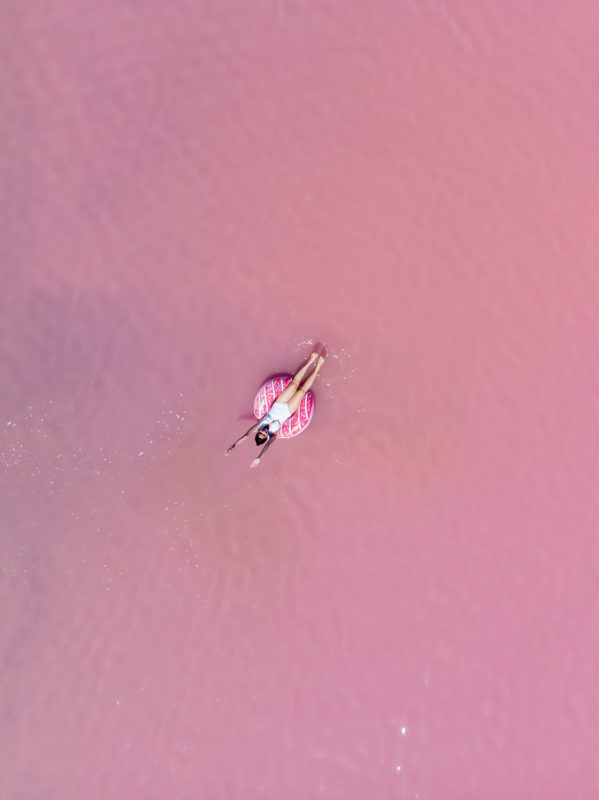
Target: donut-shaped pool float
268,393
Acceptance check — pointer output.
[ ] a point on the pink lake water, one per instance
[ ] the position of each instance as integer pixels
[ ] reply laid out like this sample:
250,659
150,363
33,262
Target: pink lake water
402,601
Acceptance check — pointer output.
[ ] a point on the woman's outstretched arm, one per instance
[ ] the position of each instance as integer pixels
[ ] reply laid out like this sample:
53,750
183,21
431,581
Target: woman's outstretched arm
256,461
241,439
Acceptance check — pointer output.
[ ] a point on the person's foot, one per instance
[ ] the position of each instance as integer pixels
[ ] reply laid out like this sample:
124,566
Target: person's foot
313,358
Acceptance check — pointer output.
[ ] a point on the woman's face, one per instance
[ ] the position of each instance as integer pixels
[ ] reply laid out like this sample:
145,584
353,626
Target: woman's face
262,436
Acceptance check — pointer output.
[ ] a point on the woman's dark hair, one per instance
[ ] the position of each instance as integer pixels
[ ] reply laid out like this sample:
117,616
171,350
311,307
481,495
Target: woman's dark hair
262,436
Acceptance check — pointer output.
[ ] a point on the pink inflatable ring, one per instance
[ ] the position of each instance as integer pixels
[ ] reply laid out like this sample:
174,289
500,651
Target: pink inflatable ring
269,392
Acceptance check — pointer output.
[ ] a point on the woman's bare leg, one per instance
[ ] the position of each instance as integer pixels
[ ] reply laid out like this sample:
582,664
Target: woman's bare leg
286,395
297,398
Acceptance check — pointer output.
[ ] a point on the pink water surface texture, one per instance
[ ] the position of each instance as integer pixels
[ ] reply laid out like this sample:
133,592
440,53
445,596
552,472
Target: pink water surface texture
401,603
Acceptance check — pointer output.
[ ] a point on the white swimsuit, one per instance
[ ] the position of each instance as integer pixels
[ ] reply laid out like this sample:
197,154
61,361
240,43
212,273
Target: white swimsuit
279,412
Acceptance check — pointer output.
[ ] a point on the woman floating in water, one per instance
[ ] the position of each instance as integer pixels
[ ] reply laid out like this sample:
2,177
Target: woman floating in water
266,429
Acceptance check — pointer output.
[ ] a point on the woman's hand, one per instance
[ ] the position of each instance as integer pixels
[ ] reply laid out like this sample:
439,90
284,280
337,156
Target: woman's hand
254,463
